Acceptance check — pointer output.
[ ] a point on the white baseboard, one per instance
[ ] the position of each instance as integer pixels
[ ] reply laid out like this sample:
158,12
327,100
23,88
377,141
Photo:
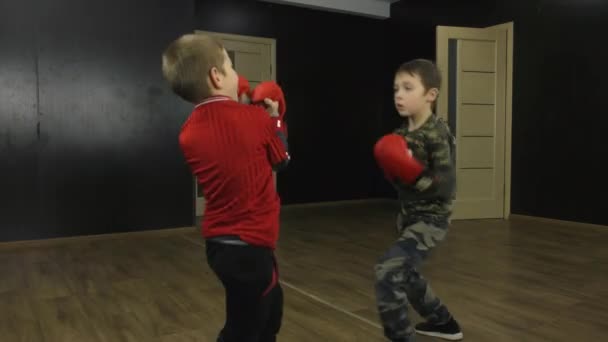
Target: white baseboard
555,221
77,239
340,203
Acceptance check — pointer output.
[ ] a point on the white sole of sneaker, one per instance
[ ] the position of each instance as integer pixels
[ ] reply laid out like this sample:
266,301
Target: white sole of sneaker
451,337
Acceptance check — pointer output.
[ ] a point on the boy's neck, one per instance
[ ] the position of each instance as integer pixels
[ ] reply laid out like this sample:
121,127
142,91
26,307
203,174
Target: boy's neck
416,121
216,93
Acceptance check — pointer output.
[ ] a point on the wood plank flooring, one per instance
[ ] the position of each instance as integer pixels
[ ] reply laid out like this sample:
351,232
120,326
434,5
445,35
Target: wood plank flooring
516,280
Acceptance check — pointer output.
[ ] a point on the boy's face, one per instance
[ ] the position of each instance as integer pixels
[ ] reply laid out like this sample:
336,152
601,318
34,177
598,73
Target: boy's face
411,98
228,81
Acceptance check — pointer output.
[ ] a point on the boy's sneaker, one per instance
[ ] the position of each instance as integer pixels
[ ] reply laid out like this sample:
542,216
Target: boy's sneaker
449,331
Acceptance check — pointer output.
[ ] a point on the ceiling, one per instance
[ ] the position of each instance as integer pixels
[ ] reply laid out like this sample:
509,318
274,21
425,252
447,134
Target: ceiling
380,9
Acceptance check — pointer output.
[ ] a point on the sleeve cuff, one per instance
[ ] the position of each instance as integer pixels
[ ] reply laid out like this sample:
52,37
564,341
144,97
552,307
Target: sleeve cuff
423,183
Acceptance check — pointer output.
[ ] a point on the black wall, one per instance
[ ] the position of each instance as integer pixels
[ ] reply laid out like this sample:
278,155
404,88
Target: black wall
333,70
412,28
87,127
18,120
559,115
559,112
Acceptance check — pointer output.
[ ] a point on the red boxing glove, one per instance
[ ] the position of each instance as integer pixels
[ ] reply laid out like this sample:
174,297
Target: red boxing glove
244,88
396,160
271,90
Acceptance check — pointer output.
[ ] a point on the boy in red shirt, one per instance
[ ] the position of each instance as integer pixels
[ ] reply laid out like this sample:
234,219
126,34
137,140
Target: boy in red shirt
233,149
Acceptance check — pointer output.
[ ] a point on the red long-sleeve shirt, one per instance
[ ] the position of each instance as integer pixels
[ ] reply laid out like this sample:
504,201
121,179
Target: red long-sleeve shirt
232,149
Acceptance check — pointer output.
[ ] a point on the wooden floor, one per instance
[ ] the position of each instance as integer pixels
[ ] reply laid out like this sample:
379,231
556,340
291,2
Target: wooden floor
504,281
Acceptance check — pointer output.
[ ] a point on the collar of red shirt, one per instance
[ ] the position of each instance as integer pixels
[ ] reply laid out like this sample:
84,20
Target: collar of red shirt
212,99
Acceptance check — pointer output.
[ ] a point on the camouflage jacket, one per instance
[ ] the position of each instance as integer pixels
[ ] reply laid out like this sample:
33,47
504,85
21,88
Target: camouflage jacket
430,199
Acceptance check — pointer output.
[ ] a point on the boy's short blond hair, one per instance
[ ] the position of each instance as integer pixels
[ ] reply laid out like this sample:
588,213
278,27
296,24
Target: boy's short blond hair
187,62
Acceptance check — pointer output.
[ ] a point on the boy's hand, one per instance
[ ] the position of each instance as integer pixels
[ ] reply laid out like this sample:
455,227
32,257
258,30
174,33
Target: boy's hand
269,90
272,107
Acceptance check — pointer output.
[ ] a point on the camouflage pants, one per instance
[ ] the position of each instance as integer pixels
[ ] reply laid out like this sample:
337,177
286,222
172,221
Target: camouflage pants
398,283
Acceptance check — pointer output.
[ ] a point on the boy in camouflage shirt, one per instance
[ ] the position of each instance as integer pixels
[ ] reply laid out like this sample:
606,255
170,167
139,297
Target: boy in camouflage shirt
418,158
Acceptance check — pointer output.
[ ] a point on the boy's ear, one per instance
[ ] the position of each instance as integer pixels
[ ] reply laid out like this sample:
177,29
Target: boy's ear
433,93
214,77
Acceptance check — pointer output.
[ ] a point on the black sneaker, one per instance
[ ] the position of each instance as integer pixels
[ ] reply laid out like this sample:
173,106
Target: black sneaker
449,331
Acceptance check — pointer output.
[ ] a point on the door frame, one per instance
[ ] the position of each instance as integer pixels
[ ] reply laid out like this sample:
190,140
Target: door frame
252,39
442,63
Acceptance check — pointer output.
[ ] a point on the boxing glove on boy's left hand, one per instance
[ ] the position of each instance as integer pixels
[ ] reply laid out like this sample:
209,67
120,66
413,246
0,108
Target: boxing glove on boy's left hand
396,160
270,90
244,91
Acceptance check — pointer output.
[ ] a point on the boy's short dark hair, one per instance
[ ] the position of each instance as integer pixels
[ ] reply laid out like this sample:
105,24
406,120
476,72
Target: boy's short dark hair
425,69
